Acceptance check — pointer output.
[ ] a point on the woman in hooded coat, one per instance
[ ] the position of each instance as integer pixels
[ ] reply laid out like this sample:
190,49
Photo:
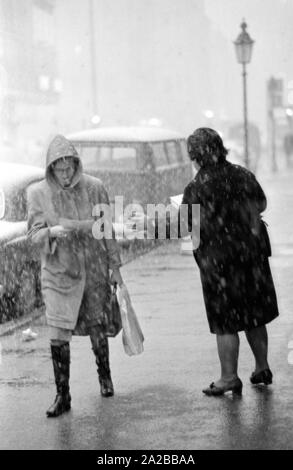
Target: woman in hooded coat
74,265
232,256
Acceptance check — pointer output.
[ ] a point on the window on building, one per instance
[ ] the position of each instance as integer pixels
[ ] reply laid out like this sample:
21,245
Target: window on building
43,23
8,15
44,82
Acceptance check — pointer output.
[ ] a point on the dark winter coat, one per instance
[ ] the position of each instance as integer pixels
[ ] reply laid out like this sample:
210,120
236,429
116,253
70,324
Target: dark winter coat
74,270
234,248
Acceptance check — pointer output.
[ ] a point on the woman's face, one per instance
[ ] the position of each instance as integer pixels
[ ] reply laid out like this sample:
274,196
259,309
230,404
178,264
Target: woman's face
196,165
195,154
64,171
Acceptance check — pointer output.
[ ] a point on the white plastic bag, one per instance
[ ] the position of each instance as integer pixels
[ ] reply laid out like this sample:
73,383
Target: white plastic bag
132,336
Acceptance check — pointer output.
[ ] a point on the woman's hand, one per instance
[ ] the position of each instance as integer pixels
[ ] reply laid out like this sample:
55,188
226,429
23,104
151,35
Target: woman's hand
116,277
140,223
69,224
58,231
77,225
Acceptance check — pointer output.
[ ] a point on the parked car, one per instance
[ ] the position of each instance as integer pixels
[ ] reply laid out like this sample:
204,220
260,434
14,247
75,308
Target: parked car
142,164
19,262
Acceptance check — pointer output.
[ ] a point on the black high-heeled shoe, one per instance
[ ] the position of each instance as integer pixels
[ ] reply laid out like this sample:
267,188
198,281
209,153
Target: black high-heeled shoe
263,377
235,387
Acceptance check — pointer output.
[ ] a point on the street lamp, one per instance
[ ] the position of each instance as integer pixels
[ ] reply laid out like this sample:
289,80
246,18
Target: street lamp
243,47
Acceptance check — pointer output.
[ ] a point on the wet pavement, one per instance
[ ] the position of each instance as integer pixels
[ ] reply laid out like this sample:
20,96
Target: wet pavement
158,402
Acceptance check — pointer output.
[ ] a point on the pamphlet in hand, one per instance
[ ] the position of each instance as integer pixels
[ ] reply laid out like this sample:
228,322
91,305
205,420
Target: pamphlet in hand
176,200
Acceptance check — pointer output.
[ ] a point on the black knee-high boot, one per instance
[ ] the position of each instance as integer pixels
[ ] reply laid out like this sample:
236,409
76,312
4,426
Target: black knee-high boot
101,351
61,366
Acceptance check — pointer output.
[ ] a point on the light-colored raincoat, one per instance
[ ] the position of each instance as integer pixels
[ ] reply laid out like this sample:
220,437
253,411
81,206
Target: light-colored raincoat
75,269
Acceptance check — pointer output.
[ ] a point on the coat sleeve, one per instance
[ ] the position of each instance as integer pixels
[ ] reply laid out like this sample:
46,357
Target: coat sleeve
111,244
256,194
256,203
38,230
184,217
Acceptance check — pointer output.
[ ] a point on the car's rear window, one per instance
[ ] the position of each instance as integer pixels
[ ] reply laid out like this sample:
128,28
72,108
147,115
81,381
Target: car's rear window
121,158
184,153
172,152
160,154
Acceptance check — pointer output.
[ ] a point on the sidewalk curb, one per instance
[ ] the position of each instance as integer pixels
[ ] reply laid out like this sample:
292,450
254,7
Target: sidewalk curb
128,256
11,326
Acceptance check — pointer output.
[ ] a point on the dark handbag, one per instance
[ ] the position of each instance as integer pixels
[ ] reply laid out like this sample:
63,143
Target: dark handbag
113,315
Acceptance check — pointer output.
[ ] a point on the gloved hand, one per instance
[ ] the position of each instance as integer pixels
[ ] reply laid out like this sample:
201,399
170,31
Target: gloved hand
58,231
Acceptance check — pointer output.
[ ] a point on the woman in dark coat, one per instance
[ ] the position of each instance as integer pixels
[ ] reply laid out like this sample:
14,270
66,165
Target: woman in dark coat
232,256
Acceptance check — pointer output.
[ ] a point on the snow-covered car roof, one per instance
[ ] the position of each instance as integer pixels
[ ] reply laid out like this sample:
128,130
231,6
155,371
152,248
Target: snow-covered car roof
125,134
14,178
14,174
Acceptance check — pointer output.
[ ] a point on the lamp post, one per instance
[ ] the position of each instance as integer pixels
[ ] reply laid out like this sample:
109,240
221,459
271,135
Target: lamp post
243,47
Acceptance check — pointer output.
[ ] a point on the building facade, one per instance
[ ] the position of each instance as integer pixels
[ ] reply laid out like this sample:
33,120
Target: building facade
66,64
30,83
